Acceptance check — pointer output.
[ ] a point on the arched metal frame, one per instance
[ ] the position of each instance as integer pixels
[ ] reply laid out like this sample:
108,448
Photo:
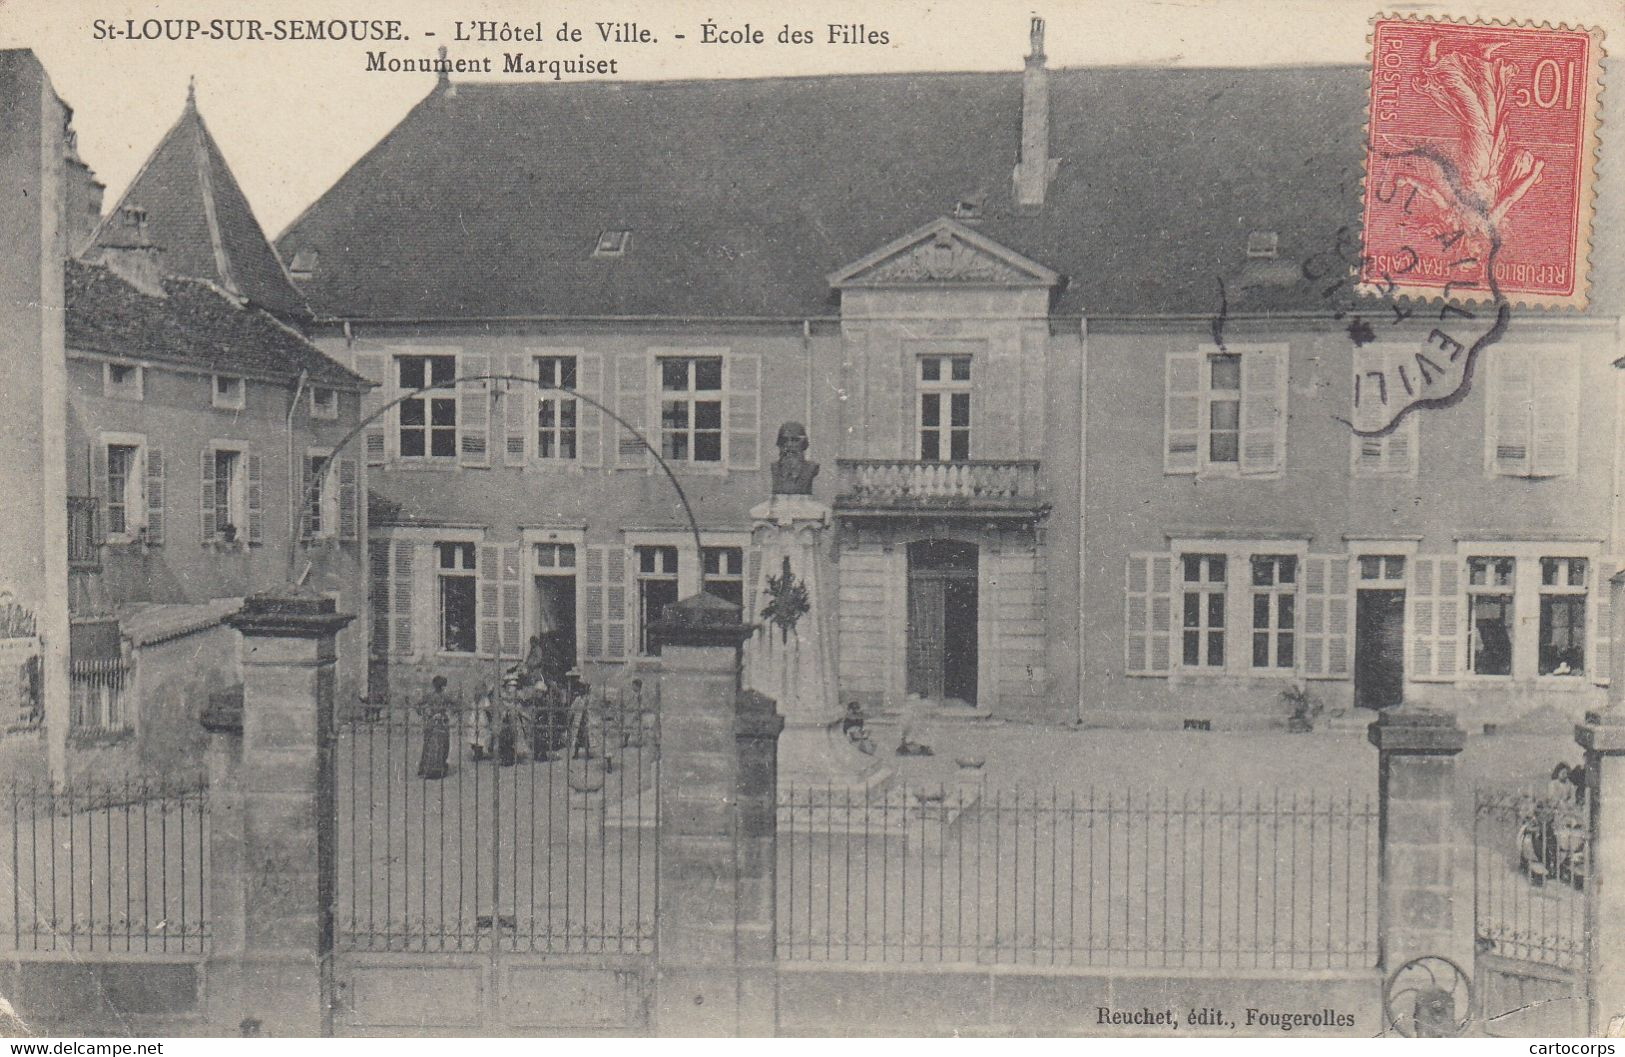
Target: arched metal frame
310,490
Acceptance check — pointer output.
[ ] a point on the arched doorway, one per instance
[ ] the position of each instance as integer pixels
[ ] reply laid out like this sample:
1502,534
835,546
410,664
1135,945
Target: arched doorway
942,618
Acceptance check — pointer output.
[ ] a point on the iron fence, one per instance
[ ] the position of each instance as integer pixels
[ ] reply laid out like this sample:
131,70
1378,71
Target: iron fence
539,834
1263,880
1530,876
107,867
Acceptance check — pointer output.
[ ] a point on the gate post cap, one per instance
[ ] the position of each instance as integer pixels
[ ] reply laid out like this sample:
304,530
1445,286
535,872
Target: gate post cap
288,613
1417,732
702,619
1603,731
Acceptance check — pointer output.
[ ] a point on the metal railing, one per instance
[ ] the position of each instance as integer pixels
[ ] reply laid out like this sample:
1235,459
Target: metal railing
894,481
106,867
1530,874
97,698
1261,880
538,835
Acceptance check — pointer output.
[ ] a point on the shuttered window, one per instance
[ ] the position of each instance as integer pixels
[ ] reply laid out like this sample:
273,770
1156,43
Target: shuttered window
1532,413
428,421
1225,411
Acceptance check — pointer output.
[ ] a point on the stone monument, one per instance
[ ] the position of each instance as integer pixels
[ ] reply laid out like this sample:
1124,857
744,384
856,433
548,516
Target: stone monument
791,657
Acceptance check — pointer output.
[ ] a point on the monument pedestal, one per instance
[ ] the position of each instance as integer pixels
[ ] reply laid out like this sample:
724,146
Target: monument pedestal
791,659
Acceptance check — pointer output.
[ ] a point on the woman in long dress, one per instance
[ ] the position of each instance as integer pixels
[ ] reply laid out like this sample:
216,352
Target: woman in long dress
436,710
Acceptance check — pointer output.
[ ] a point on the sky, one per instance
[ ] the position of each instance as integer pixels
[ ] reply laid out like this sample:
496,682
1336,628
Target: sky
292,116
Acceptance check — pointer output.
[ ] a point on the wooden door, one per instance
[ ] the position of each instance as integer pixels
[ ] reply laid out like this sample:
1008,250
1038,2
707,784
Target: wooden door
926,638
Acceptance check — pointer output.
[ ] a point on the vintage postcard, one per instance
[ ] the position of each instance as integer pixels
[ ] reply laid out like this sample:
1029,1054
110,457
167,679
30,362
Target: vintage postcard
613,518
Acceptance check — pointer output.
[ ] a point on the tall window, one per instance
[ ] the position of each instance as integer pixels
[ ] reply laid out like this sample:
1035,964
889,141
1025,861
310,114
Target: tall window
230,513
945,389
555,413
1224,408
691,408
1204,579
657,588
1489,615
458,591
428,422
1275,585
1562,616
323,512
725,574
123,488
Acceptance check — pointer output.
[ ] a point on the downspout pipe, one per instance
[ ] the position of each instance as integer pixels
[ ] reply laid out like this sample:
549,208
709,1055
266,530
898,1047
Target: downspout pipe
293,488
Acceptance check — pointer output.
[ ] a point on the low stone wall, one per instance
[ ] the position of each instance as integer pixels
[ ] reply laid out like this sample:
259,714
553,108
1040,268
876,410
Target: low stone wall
872,999
83,994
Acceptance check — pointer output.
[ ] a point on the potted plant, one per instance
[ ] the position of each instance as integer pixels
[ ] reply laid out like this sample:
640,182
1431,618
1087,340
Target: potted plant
1305,709
228,532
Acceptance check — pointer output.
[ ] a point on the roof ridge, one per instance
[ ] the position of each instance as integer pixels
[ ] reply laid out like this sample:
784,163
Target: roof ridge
222,260
135,181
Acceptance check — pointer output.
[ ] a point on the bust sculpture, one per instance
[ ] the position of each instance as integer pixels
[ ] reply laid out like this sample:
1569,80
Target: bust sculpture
793,474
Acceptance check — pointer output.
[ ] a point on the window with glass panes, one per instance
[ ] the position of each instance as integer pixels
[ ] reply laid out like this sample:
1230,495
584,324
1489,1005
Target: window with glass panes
725,574
657,588
458,596
1203,578
1223,398
555,412
1490,596
550,556
691,408
229,505
428,421
944,394
1385,569
1563,616
123,487
322,514
1274,590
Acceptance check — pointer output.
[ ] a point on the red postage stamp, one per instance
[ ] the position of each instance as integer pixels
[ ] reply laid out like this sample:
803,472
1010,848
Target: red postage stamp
1480,151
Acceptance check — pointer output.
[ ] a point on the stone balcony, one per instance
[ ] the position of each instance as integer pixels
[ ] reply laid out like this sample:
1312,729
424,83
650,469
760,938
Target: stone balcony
986,488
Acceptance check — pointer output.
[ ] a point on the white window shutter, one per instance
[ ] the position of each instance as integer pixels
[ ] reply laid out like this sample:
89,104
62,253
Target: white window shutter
1400,447
1325,617
256,499
401,600
1182,413
155,496
1435,598
1554,410
1508,412
617,590
377,368
744,411
589,420
592,603
1600,650
490,627
518,402
753,576
206,494
1263,411
631,403
350,512
474,410
1148,614
513,608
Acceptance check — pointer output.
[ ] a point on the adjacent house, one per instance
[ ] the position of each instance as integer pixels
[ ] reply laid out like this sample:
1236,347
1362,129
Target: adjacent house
1073,345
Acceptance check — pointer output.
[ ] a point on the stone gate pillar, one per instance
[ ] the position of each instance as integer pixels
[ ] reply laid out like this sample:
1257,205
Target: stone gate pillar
1602,736
718,773
1416,753
271,840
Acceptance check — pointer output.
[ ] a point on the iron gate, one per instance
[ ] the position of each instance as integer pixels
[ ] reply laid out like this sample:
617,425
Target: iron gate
1532,880
515,892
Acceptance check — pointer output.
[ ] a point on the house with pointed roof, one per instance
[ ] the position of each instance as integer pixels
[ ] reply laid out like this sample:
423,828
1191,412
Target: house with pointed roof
200,449
1079,344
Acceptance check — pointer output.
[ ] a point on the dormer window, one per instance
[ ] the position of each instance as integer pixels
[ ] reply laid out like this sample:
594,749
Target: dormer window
1263,244
324,403
968,209
122,380
303,265
613,243
230,392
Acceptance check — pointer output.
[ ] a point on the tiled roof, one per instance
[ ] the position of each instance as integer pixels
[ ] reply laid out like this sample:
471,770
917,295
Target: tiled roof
743,195
196,324
198,217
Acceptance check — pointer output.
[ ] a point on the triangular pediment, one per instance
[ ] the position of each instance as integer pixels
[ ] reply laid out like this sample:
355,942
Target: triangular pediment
944,253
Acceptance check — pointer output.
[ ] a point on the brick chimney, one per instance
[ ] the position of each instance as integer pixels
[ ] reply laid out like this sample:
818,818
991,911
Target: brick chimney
1034,169
127,249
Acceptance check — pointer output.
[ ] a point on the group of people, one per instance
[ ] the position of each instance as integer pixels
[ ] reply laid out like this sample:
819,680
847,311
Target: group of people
522,716
1552,830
